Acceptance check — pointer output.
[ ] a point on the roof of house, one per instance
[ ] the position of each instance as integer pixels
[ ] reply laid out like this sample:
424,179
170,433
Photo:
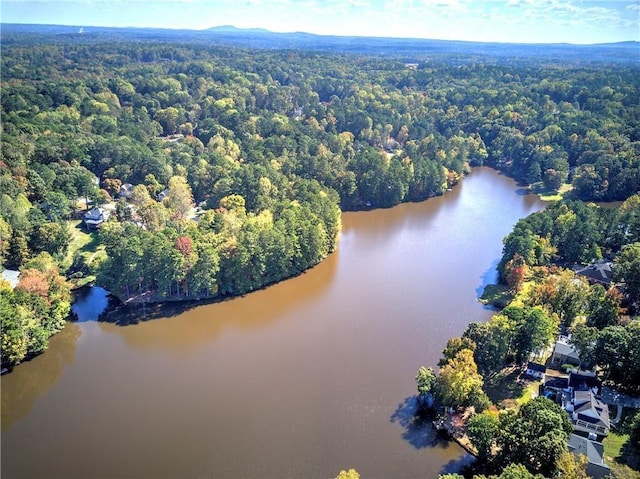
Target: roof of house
594,451
125,189
599,271
556,383
591,409
163,194
93,213
565,349
536,367
583,381
11,276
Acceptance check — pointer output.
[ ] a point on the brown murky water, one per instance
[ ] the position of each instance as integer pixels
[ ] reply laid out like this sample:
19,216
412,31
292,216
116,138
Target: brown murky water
302,379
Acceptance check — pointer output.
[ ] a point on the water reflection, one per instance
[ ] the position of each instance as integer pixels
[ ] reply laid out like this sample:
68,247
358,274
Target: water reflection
188,326
31,380
90,303
418,424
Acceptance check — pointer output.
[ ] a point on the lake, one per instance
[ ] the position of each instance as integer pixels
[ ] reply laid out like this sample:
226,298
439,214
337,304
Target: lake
301,379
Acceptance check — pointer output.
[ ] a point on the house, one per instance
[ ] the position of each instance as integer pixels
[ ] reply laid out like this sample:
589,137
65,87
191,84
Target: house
163,194
564,353
125,190
584,381
11,276
589,415
535,370
596,272
594,451
94,218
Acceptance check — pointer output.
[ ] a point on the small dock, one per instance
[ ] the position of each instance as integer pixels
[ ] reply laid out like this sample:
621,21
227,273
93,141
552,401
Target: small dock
453,423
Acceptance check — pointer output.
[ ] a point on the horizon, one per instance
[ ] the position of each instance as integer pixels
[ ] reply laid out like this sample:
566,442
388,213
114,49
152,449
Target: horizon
492,21
82,29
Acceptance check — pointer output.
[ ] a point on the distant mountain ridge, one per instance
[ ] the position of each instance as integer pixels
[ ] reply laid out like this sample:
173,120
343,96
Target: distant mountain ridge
406,49
231,28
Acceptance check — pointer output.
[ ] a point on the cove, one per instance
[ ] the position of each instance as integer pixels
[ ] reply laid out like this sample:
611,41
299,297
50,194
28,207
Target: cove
302,379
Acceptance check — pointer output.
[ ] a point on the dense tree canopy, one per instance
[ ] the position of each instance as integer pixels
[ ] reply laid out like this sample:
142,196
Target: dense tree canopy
226,170
33,311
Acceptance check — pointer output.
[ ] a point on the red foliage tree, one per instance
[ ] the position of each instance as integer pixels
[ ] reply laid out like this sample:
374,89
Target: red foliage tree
184,245
34,282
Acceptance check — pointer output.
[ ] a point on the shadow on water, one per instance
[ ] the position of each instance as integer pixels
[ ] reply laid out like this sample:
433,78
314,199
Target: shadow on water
458,466
490,276
418,425
134,313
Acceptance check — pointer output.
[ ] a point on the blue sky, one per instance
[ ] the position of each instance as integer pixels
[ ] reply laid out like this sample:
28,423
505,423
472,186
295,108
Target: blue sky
519,21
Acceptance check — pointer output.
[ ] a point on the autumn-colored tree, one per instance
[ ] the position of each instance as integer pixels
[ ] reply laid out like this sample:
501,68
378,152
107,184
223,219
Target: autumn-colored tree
458,380
112,185
350,474
139,196
184,245
454,346
180,199
572,467
33,281
515,272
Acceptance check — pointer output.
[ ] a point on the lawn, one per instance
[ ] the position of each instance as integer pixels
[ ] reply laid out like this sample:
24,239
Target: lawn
613,445
498,295
553,195
87,244
80,238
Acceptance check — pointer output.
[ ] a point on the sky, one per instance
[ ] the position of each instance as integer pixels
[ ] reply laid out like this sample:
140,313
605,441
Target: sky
512,21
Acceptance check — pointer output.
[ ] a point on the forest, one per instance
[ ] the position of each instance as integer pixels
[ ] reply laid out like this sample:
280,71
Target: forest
226,168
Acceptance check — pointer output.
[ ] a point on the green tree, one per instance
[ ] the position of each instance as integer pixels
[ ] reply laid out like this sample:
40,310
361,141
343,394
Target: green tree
482,430
535,436
585,339
603,306
425,381
626,269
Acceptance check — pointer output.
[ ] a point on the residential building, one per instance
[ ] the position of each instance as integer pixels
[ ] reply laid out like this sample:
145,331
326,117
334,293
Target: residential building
594,451
564,353
94,218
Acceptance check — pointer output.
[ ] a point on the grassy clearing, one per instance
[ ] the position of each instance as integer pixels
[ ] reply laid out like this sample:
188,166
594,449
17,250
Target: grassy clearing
497,295
506,386
528,393
552,195
86,243
613,445
80,238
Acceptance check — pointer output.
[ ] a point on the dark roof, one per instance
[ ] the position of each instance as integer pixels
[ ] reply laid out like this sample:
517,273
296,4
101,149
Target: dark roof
599,271
556,383
587,402
536,367
583,381
589,419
